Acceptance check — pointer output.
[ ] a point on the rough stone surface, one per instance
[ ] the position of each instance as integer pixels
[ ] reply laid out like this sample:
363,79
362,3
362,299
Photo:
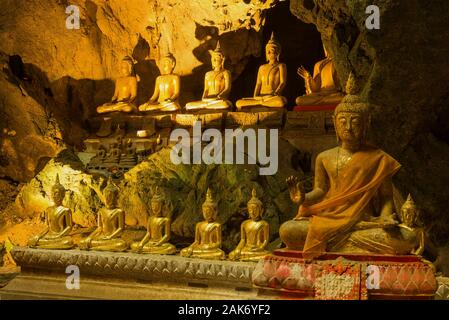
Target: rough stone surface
83,62
185,187
402,70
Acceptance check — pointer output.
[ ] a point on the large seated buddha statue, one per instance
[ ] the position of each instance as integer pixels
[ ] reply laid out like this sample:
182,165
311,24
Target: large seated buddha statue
350,208
158,230
59,223
166,89
125,90
217,85
254,234
323,87
207,244
271,81
111,224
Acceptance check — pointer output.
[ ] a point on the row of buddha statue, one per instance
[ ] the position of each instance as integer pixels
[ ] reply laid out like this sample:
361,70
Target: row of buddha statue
350,208
111,225
322,87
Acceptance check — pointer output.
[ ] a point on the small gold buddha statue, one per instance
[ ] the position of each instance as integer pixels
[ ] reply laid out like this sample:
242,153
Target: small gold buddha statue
207,243
323,88
111,224
350,208
125,90
167,88
271,81
217,85
409,217
59,223
158,230
255,234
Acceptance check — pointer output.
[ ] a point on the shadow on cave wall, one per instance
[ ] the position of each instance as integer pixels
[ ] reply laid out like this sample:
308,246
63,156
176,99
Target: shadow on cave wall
301,45
71,102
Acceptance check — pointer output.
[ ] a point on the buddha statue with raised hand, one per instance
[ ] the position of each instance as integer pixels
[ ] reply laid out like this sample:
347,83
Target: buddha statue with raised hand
158,230
323,87
255,234
125,90
167,88
271,81
350,208
111,224
59,223
217,85
207,243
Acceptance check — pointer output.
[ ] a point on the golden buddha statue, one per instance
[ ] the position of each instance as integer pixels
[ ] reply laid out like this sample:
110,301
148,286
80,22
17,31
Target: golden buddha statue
271,81
59,223
167,88
207,243
350,208
111,224
323,88
125,90
409,217
217,85
158,230
255,234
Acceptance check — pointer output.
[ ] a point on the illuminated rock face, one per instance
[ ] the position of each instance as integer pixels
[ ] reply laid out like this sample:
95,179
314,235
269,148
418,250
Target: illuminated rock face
145,29
63,74
403,70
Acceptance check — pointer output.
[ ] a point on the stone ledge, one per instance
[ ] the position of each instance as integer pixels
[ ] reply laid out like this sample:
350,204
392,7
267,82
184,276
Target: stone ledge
152,267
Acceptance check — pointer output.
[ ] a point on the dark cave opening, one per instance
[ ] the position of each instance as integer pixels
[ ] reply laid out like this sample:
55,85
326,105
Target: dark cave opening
301,45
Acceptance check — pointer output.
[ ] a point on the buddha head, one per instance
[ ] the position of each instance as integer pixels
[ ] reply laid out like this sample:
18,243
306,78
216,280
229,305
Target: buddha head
209,207
127,67
351,117
409,212
157,203
110,195
217,57
57,192
255,206
167,64
272,49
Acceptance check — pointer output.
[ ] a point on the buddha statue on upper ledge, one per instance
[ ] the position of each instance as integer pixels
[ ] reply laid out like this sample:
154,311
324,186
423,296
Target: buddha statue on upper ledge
158,230
125,90
207,244
254,234
167,88
271,81
217,85
323,87
111,224
350,208
59,223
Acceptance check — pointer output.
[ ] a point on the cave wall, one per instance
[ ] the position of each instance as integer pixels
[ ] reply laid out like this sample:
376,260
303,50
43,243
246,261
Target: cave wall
53,78
403,71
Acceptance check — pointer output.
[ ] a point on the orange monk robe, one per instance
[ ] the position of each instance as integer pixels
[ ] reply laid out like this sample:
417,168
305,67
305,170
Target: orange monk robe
343,205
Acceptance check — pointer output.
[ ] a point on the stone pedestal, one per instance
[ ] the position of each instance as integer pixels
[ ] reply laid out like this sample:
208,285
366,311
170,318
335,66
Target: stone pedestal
345,276
7,274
